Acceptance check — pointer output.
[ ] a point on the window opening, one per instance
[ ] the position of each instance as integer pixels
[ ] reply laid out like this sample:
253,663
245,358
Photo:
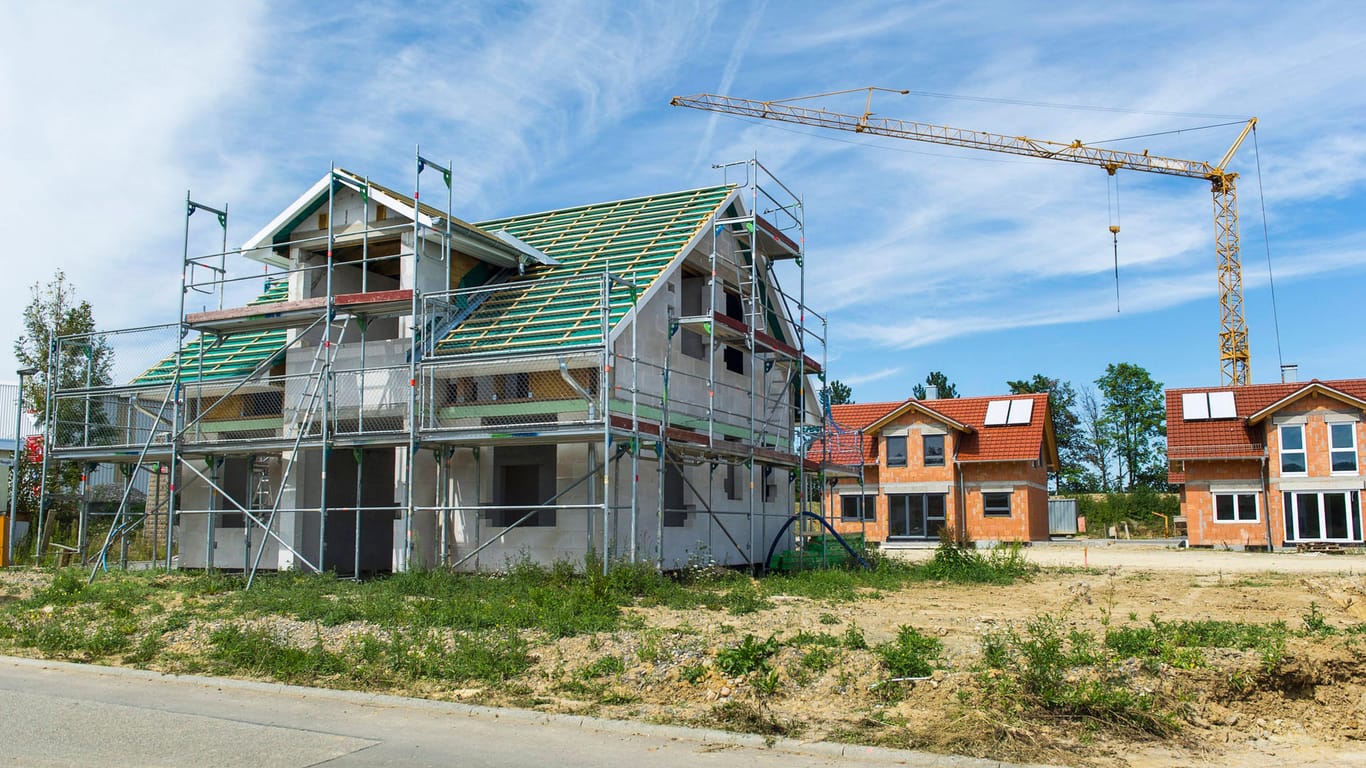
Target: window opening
996,504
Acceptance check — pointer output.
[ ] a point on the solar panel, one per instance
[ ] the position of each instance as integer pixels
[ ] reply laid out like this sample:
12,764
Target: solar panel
997,412
1194,406
1021,411
1221,406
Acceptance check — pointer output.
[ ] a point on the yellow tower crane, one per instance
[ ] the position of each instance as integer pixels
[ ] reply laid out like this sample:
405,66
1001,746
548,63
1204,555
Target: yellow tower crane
1233,347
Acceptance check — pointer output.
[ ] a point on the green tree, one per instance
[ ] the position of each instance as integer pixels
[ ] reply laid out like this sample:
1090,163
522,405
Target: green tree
1135,415
59,335
1097,444
1062,403
840,393
937,379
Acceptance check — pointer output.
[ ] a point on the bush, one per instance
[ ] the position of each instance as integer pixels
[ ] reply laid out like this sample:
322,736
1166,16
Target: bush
961,562
1139,508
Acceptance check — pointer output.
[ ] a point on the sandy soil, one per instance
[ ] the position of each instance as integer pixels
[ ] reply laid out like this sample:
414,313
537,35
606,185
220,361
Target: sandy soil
1124,556
1313,712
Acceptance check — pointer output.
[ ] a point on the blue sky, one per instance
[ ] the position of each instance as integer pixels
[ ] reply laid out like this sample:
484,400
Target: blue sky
924,258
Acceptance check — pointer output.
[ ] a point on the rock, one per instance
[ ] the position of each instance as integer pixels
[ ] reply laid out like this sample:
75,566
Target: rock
726,691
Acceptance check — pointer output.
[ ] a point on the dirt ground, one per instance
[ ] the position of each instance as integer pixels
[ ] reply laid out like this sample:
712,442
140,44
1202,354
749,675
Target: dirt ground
1126,556
1314,717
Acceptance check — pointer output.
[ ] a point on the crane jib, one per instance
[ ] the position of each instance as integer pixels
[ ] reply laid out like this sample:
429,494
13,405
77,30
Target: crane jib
1234,357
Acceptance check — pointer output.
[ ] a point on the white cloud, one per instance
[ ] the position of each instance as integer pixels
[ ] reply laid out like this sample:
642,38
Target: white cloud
868,378
737,54
106,116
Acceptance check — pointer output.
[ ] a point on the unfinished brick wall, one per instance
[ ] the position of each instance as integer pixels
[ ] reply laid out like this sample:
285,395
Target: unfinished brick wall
1028,519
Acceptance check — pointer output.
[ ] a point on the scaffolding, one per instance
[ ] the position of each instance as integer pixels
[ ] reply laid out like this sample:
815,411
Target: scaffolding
422,392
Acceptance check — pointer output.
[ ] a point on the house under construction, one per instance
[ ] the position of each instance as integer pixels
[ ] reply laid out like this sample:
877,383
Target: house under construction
409,390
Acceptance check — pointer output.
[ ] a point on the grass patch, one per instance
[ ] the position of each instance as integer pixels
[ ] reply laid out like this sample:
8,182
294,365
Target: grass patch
1180,643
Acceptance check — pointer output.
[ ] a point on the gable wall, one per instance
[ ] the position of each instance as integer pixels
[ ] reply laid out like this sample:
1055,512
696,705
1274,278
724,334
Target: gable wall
1204,479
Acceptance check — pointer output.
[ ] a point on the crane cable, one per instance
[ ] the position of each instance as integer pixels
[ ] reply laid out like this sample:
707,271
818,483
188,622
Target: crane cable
1112,210
1266,242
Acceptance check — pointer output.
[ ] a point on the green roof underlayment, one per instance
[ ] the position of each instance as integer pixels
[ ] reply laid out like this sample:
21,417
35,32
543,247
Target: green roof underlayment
548,307
225,357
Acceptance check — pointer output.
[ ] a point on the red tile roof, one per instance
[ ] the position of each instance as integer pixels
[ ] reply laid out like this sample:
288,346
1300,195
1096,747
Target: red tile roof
1016,442
1234,438
844,437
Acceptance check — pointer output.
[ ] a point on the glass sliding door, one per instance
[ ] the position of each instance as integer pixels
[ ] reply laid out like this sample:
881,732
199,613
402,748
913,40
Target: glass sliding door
1322,516
915,515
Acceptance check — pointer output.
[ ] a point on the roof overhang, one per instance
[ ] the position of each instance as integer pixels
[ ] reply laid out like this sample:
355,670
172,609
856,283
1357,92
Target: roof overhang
919,406
465,237
1312,388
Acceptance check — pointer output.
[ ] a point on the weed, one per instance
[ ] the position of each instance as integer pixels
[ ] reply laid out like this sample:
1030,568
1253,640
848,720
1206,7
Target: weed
147,649
961,562
1068,674
239,649
823,639
751,655
693,673
767,683
853,638
619,697
1315,623
607,666
818,659
829,618
652,648
746,718
912,654
1179,643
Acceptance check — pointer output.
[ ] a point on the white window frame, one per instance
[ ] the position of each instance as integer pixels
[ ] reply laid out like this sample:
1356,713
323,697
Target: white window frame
1332,449
1010,503
1237,507
1303,450
1291,508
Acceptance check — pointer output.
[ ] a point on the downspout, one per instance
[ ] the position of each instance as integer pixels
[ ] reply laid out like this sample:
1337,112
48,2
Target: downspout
1266,493
961,505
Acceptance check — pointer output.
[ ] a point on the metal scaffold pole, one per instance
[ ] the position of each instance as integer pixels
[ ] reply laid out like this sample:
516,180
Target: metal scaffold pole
414,321
330,312
605,394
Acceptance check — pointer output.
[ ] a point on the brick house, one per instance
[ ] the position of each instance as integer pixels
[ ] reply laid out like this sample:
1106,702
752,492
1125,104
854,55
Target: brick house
1277,463
977,466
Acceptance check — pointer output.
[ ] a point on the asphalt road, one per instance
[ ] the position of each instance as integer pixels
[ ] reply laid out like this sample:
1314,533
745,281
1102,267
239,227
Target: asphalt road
58,714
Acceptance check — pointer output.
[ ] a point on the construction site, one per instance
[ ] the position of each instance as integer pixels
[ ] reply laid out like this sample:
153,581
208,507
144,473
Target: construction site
623,381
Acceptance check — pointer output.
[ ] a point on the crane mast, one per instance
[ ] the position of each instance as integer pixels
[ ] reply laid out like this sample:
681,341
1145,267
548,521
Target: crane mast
1234,358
